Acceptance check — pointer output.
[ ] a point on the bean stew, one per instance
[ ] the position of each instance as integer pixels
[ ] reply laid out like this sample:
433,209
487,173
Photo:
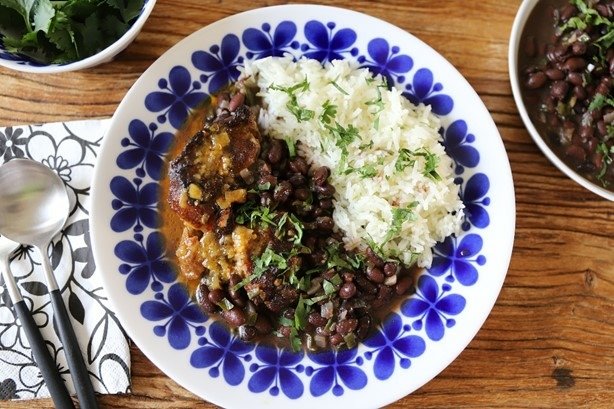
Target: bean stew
566,63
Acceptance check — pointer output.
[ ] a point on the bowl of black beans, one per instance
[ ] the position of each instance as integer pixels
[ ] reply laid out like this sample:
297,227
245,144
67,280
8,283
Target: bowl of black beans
561,64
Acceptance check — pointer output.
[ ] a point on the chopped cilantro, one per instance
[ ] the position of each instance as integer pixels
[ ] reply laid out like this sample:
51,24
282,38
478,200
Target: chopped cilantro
301,114
600,101
379,105
300,314
252,214
607,158
334,84
329,111
329,288
407,158
367,171
399,216
64,31
291,147
343,136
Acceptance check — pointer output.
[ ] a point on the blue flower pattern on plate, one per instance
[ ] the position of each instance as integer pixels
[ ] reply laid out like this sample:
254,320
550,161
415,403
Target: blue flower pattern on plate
274,370
475,200
146,151
178,312
387,61
433,307
277,372
389,342
326,46
336,366
458,258
144,263
457,142
222,349
262,44
221,63
424,90
178,96
135,205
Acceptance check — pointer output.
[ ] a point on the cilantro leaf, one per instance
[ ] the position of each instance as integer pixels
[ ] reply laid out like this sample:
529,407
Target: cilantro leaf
64,31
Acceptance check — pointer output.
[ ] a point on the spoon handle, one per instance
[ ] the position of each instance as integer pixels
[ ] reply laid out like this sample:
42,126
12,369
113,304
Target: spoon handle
46,364
78,371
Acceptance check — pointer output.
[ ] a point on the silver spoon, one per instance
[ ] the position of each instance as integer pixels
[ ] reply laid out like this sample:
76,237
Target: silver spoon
33,208
44,360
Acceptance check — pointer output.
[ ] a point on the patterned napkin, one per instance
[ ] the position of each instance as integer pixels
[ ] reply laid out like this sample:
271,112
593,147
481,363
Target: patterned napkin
70,149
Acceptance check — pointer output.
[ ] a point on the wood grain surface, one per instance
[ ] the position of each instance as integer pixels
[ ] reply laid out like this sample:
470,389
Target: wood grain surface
549,341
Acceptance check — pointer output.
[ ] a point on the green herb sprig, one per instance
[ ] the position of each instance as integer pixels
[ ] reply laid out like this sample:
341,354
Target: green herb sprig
64,31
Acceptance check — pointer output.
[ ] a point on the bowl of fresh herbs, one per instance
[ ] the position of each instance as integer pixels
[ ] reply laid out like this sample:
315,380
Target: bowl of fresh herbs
48,36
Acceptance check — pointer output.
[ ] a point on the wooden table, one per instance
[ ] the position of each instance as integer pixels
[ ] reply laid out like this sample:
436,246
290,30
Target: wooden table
549,341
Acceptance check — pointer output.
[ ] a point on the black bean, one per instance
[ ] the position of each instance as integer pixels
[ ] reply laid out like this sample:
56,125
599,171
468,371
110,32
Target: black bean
574,64
275,151
597,160
326,204
263,325
247,332
346,326
403,285
373,258
375,274
302,194
283,191
580,92
576,154
578,48
325,190
554,74
202,297
602,128
586,131
605,10
216,296
559,89
347,276
336,339
536,80
390,269
591,144
298,165
320,175
324,223
347,290
316,319
575,78
365,285
238,296
235,317
297,180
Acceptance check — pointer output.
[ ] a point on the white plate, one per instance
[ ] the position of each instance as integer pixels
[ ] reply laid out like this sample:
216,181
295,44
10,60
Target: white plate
419,340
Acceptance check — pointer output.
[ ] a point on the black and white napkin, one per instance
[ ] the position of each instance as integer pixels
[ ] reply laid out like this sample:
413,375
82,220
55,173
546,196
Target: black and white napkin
70,149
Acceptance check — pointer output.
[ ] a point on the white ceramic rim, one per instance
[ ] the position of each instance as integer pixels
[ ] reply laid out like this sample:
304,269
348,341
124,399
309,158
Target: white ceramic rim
504,189
514,44
101,57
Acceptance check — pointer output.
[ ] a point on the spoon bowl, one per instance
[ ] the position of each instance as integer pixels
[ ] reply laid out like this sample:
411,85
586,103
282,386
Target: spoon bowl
33,202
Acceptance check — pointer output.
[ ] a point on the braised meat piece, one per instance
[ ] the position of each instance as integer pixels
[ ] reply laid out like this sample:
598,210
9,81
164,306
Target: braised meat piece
204,178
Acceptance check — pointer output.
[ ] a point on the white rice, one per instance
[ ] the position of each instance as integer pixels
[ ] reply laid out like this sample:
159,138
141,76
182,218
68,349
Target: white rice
365,203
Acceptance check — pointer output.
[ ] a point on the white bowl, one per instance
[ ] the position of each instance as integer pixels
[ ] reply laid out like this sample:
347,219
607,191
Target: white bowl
517,28
21,63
